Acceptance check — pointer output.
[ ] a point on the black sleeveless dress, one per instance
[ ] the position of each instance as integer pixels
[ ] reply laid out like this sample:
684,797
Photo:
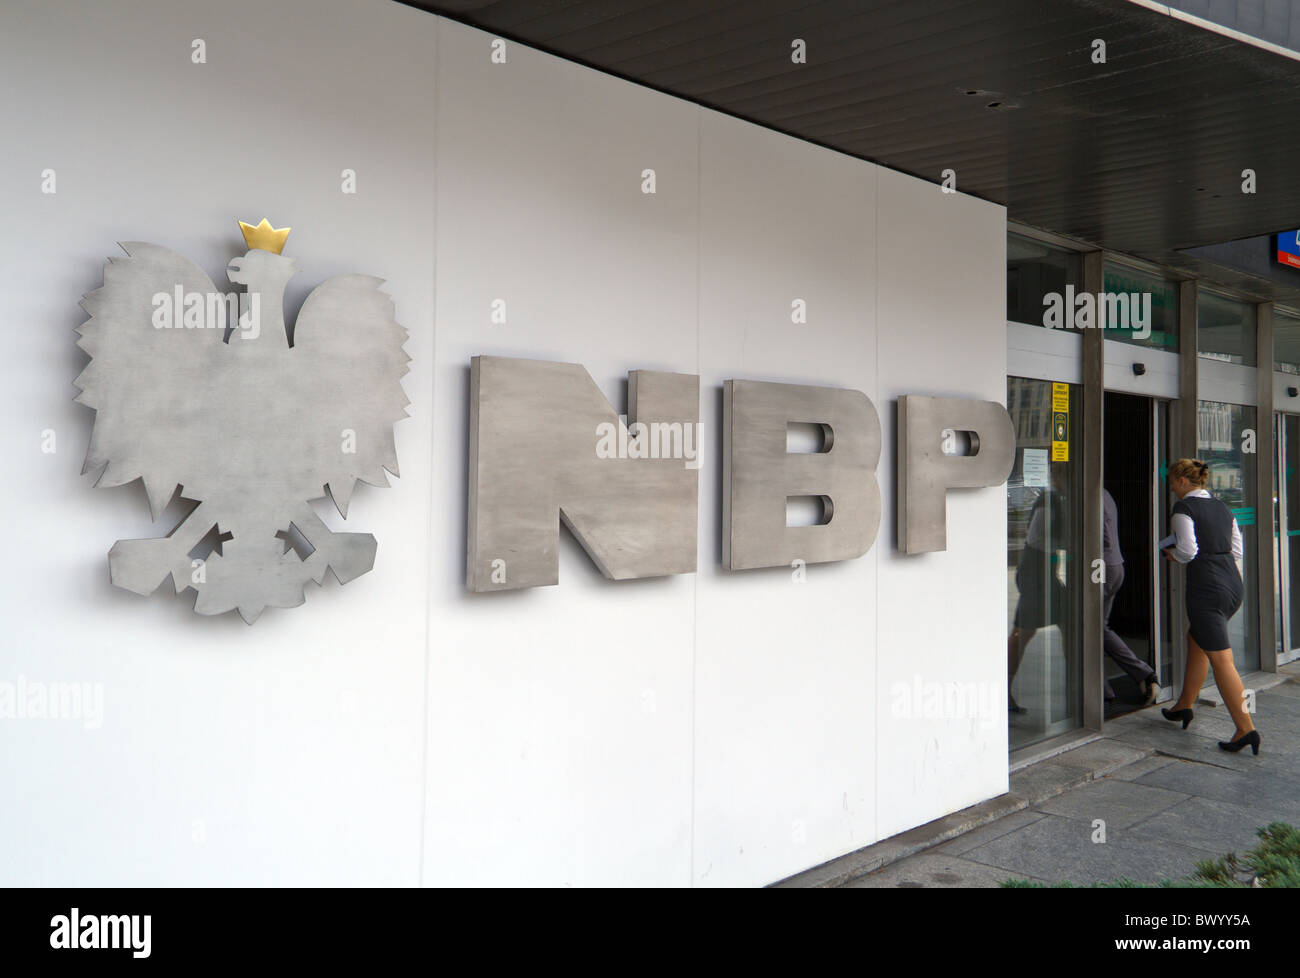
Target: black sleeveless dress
1214,586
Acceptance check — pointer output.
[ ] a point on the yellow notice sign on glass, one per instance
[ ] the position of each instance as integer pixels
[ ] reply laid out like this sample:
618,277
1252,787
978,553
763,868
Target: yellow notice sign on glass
1061,398
1060,422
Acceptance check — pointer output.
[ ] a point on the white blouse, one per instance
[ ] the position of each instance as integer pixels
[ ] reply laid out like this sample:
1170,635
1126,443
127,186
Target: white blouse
1185,530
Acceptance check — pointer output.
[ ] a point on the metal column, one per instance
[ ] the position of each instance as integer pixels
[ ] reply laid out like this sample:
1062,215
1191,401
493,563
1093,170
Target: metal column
1093,400
1266,457
1184,447
1185,441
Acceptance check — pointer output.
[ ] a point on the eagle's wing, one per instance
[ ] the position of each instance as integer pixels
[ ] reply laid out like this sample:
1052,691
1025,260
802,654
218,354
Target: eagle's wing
145,383
348,363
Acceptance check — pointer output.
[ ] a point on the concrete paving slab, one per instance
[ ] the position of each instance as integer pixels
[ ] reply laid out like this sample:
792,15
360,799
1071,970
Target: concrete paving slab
1046,780
1211,722
1214,827
1270,704
1135,770
1104,756
1276,757
1267,716
1276,727
1186,745
932,870
1057,848
1258,681
1278,796
1118,803
994,830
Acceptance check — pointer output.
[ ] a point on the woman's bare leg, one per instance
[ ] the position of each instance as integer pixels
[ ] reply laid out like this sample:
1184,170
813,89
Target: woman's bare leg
1198,667
1231,689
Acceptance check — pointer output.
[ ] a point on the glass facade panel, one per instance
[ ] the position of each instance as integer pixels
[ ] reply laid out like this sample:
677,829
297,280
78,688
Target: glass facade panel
1046,569
1290,467
1222,432
1144,310
1225,329
1286,341
1279,608
1035,270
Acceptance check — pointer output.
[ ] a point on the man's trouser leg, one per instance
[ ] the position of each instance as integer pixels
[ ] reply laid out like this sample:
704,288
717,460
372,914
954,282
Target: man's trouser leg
1113,645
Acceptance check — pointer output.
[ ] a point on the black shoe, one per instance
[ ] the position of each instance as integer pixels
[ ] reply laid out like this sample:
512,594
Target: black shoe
1150,692
1176,715
1251,738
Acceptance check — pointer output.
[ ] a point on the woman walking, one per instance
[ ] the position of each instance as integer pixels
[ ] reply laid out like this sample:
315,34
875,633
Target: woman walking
1209,543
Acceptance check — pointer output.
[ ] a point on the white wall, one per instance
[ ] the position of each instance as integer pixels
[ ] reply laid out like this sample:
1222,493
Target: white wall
942,308
291,750
707,729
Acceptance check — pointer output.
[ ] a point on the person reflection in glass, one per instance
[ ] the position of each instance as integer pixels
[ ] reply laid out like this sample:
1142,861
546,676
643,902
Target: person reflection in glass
1143,676
1042,597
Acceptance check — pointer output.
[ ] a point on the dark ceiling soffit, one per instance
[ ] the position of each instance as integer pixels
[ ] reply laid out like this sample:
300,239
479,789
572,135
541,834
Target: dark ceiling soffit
462,14
1092,190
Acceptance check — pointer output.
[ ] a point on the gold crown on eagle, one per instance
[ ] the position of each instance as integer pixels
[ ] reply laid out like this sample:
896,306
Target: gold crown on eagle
264,236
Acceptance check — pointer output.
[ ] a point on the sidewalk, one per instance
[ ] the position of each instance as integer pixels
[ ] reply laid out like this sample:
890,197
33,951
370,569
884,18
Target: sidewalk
1168,797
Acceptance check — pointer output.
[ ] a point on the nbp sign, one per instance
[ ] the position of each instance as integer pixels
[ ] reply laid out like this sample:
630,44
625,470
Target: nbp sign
539,454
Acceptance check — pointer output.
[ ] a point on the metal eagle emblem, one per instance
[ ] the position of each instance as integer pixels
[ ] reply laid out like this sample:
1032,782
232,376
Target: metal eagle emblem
210,395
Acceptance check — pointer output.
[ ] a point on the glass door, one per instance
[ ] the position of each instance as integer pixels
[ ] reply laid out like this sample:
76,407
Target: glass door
1286,554
1046,567
1225,439
1136,604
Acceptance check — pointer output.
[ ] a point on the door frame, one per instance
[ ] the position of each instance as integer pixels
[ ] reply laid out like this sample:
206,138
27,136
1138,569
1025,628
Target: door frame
1157,514
1282,542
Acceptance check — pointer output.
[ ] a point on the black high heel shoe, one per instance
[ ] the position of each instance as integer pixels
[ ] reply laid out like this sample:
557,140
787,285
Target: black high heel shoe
1176,715
1251,738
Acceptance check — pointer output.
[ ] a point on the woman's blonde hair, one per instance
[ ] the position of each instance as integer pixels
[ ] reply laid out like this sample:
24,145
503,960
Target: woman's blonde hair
1192,469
